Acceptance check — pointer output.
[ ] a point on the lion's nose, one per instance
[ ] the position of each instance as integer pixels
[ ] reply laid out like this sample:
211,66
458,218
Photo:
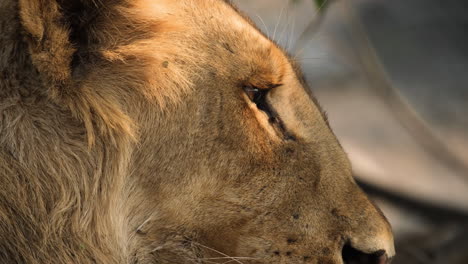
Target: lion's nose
351,255
370,240
374,248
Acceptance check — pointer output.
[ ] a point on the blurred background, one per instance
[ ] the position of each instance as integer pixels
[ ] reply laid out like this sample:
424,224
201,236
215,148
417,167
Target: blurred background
393,77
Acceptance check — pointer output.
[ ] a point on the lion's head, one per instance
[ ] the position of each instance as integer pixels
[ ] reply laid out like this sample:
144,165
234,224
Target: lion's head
162,131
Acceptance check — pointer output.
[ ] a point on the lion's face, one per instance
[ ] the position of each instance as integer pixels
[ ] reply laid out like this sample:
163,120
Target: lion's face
232,155
245,162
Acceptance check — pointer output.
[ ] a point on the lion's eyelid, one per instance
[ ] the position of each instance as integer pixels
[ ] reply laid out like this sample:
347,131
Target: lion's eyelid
251,89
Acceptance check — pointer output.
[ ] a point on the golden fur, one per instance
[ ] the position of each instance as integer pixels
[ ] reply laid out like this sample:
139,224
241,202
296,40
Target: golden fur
127,137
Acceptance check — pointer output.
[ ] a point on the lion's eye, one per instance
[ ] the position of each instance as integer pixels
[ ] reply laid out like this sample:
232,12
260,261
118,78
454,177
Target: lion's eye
251,92
258,96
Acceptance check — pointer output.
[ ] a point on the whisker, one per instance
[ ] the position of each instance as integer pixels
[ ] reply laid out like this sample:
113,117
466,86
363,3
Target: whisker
227,258
216,251
285,27
278,21
264,25
291,35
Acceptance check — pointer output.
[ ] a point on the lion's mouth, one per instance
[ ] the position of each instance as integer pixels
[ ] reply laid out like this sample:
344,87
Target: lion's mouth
353,256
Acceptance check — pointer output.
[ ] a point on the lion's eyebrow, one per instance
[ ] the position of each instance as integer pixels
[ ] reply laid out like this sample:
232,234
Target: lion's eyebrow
264,82
274,85
267,86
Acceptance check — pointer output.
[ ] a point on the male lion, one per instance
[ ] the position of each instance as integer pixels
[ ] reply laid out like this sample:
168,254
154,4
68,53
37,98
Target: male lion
163,131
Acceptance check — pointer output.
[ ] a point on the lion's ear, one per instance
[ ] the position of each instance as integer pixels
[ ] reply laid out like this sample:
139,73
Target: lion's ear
57,34
53,29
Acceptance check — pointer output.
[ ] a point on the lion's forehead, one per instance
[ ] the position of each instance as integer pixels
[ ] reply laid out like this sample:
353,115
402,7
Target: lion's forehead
192,17
181,40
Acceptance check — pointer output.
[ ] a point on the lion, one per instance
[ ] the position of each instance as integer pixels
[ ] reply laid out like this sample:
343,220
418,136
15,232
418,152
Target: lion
159,131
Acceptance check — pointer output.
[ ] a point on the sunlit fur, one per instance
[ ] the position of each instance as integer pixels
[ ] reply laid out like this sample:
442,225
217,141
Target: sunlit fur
126,137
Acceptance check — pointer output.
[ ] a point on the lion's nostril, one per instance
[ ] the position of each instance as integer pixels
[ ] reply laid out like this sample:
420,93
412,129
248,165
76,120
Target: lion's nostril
353,256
